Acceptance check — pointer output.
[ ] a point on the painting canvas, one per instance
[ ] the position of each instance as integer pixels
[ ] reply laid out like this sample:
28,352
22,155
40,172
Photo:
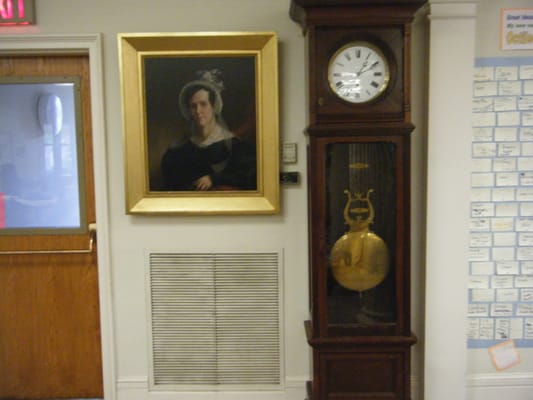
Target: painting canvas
173,127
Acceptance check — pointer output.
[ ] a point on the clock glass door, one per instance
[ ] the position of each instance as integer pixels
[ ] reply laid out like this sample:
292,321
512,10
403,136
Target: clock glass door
361,193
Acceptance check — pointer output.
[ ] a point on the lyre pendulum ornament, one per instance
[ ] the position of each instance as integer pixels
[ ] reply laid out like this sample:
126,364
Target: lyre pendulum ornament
359,258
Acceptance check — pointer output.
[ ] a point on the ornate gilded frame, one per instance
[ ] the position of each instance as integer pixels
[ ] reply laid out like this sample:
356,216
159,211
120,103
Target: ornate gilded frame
134,50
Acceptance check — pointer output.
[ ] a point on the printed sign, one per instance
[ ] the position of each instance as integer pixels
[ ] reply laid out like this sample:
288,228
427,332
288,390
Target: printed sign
516,29
16,12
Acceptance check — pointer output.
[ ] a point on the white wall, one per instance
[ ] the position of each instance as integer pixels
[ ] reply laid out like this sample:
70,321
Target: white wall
450,75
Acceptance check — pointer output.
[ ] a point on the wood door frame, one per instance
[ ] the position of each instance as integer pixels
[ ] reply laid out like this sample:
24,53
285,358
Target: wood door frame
91,45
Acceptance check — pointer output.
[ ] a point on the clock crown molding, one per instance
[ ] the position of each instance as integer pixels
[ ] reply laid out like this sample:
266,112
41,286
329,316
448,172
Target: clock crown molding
329,3
348,12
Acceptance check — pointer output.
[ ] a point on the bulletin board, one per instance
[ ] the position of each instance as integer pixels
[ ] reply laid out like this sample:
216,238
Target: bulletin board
501,225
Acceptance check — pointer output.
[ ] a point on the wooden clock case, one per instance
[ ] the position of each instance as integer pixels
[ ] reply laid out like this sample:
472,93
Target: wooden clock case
357,358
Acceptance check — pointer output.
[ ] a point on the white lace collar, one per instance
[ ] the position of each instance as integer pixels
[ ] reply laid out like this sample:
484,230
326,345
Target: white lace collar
218,134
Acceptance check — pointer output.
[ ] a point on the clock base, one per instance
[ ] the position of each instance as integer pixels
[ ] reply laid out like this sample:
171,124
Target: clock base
360,367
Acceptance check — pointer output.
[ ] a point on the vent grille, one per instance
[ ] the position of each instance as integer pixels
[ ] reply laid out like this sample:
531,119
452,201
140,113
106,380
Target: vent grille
215,318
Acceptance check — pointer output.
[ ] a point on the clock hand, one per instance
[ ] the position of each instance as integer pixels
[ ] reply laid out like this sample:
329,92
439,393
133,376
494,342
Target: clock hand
361,70
365,63
369,68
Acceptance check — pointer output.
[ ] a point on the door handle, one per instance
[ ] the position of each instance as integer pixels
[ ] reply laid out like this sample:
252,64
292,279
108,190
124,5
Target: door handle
92,240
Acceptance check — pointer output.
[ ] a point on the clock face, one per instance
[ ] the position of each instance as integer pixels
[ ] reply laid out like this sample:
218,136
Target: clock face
358,72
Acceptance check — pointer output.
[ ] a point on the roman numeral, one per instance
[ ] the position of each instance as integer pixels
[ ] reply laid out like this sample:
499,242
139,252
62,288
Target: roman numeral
375,84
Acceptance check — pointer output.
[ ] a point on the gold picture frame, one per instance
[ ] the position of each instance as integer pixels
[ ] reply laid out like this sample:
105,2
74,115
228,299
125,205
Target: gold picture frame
242,69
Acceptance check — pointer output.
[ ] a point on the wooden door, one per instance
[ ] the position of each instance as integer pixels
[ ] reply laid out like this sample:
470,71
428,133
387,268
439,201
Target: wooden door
49,312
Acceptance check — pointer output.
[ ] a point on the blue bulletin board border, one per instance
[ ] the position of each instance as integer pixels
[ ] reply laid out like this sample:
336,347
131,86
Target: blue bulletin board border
483,344
503,61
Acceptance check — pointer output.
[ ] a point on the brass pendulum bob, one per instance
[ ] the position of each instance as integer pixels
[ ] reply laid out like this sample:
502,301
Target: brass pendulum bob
359,258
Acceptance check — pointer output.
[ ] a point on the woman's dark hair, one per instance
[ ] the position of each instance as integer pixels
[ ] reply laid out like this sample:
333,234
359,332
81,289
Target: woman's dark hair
191,90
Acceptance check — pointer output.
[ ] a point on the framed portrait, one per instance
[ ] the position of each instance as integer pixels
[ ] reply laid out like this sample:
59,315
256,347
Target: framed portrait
200,122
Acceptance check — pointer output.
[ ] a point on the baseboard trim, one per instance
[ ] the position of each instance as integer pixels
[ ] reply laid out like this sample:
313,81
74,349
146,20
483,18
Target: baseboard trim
500,380
138,388
510,386
479,387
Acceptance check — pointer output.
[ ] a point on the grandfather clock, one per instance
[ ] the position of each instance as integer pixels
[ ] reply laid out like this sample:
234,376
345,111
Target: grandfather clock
359,90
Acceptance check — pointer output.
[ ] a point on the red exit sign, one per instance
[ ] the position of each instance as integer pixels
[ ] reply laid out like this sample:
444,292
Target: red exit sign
17,12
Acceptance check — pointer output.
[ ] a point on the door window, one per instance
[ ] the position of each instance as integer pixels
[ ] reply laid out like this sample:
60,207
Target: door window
41,188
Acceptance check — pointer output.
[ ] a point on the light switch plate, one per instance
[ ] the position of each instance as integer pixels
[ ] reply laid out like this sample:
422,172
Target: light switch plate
288,153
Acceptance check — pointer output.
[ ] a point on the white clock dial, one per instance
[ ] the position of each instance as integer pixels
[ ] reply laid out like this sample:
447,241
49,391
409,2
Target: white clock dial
358,72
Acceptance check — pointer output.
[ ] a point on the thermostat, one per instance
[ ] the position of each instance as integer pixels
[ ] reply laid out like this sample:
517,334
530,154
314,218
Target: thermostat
288,153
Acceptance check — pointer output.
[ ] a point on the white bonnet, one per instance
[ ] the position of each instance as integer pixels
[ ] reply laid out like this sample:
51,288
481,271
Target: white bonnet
209,79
